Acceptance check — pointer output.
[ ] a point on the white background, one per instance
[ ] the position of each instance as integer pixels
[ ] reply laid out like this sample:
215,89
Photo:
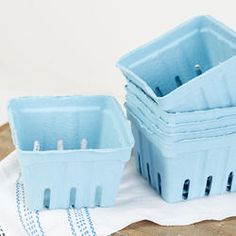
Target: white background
71,47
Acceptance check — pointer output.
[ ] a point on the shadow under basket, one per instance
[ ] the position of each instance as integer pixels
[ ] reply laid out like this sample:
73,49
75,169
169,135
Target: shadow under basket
71,149
190,68
185,170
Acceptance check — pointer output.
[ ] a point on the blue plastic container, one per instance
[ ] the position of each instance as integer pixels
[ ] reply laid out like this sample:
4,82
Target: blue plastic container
179,118
86,169
188,169
190,68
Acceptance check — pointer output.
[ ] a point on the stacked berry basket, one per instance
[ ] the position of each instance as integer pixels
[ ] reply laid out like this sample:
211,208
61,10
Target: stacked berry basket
181,101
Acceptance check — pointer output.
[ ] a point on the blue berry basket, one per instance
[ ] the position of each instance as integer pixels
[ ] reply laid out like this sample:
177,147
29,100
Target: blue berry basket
181,102
190,68
188,169
71,149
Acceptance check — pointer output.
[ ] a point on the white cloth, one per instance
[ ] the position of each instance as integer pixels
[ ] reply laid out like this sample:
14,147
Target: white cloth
135,201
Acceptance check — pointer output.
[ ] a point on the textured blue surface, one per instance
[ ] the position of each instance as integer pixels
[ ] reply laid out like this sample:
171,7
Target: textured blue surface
167,69
169,138
179,118
219,124
168,167
138,107
73,176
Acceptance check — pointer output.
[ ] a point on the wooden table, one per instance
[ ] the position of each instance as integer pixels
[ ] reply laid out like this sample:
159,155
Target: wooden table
145,228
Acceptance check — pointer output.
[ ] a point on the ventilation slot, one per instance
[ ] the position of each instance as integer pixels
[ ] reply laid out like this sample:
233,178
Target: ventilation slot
139,164
159,182
60,145
46,200
178,81
208,185
98,196
186,189
84,144
72,197
158,92
36,147
229,182
148,172
198,70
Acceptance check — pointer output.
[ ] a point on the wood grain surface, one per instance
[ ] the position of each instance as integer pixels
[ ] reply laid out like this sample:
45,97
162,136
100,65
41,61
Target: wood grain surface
6,145
145,228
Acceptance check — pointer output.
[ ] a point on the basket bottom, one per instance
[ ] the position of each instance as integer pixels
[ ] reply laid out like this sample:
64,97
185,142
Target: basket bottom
98,197
82,184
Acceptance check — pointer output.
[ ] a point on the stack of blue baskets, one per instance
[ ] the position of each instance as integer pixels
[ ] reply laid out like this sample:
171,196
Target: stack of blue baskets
181,100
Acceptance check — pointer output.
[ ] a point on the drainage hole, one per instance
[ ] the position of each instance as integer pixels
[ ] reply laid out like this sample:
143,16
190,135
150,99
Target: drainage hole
46,199
158,92
178,81
148,172
72,197
139,164
186,189
198,70
208,185
159,182
98,196
229,182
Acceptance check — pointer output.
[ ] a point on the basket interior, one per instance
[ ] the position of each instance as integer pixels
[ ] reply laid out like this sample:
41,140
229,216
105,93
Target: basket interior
70,119
181,55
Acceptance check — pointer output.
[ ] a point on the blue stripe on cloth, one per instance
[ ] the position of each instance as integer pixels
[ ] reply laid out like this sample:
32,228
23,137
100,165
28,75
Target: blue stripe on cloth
90,221
69,217
2,232
80,222
30,220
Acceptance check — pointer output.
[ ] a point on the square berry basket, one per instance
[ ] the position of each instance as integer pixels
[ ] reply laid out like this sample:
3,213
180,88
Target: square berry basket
72,149
192,67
